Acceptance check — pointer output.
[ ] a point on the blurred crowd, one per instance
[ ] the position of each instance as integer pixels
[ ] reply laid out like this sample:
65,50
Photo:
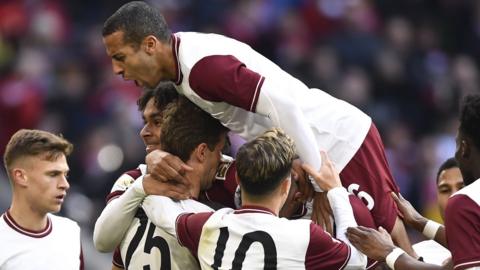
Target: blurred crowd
405,63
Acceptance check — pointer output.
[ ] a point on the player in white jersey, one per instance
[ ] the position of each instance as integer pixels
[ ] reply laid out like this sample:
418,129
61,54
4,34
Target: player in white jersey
461,233
254,237
31,236
198,139
249,94
449,181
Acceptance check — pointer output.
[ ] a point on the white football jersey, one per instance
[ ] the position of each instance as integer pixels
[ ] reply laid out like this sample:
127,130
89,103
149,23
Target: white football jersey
147,246
254,238
57,247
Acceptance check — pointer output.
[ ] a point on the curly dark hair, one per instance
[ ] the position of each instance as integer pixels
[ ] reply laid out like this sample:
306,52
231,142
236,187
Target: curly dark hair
164,94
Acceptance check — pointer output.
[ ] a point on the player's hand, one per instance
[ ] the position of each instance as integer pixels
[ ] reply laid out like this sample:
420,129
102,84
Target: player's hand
304,187
165,167
328,177
172,189
375,244
322,212
410,215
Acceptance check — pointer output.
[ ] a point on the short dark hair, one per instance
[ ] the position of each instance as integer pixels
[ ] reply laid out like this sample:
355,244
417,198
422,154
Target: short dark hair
263,163
185,126
447,164
470,118
164,94
137,20
33,142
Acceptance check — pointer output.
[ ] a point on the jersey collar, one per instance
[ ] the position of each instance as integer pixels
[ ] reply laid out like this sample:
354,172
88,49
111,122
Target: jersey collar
175,48
254,209
35,234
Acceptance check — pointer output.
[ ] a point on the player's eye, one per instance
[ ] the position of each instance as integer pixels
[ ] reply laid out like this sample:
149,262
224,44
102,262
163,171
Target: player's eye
444,190
157,122
119,58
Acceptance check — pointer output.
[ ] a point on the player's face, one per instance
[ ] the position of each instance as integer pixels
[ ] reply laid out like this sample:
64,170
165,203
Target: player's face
291,205
211,163
449,182
152,120
47,183
131,62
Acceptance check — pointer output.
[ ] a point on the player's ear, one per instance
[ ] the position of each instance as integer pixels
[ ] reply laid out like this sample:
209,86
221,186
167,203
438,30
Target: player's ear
19,177
150,43
465,145
285,185
201,152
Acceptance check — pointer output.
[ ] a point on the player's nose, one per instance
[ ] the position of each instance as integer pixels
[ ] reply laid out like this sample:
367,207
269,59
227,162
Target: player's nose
117,69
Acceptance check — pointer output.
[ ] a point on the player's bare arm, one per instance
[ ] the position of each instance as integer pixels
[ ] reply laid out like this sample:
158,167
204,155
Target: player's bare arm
164,167
171,189
418,222
378,245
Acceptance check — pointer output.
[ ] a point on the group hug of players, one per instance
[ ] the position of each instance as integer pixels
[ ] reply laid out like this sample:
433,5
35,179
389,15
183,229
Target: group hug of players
310,188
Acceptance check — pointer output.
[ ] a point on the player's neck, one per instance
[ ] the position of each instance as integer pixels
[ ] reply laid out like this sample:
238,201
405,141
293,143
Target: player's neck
195,183
27,216
271,203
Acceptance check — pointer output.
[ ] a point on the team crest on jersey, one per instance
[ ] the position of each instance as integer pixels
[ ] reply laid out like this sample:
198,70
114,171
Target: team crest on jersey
223,169
123,183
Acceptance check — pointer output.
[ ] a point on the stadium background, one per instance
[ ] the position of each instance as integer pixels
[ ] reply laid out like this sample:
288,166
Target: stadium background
406,63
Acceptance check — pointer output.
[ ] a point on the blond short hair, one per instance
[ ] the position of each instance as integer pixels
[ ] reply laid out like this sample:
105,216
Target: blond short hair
264,162
32,142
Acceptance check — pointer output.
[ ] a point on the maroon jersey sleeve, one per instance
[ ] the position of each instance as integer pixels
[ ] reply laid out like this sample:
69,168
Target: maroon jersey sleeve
462,224
224,78
325,252
117,258
223,188
189,229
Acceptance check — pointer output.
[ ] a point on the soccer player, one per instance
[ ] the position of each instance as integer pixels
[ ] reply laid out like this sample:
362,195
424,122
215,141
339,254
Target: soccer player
31,236
250,94
462,214
449,181
254,237
198,139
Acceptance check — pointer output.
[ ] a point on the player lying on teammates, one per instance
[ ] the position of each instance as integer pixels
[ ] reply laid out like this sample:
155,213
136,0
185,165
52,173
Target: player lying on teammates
248,93
461,233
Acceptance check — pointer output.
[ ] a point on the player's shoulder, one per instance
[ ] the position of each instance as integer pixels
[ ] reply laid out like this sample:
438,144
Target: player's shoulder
471,191
63,222
127,178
